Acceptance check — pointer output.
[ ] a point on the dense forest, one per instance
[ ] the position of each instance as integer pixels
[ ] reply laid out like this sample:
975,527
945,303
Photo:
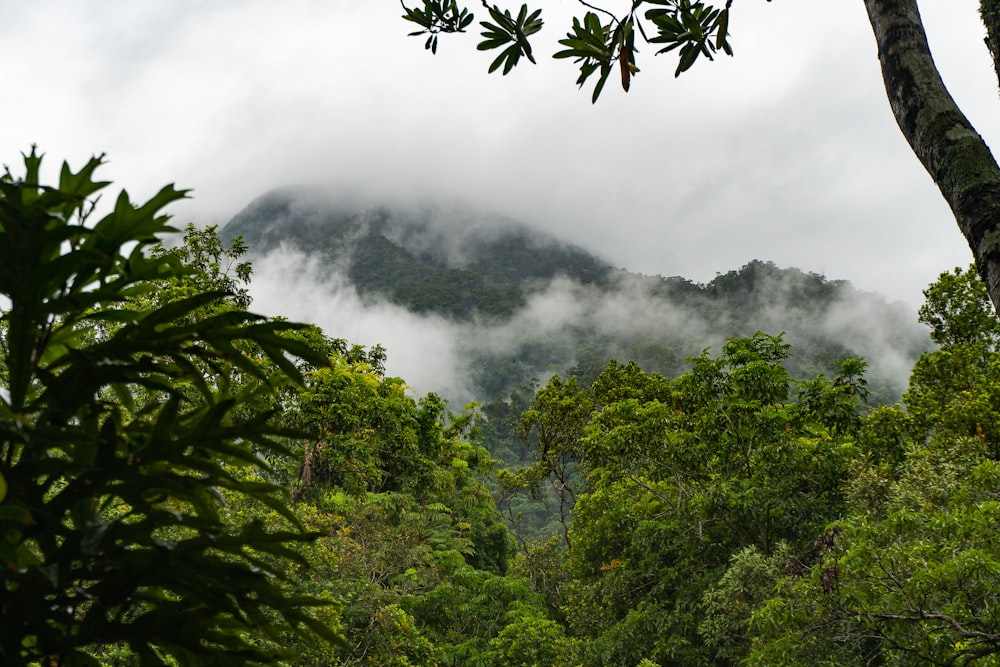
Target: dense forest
185,483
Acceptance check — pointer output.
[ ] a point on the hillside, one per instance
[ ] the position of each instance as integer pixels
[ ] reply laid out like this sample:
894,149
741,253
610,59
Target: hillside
427,260
522,305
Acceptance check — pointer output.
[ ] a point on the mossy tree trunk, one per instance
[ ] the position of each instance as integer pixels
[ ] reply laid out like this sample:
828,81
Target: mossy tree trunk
951,150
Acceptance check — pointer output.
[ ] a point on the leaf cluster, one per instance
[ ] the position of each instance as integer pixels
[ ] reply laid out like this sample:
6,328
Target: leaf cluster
695,29
512,33
598,47
435,17
677,478
119,436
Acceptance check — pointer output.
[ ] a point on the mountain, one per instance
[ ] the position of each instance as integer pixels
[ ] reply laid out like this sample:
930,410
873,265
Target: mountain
521,305
466,267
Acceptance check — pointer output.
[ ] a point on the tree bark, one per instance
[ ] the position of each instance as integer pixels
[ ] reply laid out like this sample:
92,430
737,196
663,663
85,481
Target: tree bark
955,156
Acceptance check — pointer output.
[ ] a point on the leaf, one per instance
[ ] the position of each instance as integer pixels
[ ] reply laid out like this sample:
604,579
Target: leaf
626,53
505,30
689,53
605,71
722,29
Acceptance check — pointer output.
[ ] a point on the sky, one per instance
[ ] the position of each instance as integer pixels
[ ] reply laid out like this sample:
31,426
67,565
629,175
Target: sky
787,152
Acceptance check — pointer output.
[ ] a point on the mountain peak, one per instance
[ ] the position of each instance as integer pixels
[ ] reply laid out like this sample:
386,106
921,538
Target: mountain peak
428,258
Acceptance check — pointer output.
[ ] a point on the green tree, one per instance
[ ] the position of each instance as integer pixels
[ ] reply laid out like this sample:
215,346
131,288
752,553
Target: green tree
909,577
112,524
551,428
413,551
603,42
908,574
722,470
212,267
956,388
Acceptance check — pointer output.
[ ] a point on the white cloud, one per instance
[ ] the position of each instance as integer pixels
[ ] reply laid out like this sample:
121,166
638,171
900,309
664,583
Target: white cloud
787,152
422,349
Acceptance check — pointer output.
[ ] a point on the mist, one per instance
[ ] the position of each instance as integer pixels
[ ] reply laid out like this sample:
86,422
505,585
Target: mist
422,349
566,326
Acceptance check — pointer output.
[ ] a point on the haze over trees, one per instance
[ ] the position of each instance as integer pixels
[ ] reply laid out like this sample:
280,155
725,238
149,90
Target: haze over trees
507,306
603,42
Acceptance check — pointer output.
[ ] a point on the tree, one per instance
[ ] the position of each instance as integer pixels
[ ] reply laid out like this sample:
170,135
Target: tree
908,574
120,437
956,388
729,467
601,41
907,579
550,428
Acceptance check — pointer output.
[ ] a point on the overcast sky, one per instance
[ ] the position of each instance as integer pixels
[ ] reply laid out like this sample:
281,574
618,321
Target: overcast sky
787,152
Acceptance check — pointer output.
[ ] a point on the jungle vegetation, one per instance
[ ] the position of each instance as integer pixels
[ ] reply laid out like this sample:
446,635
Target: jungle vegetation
185,483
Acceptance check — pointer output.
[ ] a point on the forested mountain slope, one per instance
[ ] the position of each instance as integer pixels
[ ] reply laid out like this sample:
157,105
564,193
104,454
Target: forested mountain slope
426,259
522,305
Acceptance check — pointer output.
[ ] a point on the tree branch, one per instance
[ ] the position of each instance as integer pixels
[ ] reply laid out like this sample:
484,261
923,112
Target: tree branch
600,9
918,615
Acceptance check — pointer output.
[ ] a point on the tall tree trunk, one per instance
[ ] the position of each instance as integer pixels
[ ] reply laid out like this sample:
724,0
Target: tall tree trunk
940,135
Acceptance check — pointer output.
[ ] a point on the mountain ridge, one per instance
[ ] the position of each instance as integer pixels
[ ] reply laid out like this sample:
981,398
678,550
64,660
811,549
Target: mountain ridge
527,305
404,254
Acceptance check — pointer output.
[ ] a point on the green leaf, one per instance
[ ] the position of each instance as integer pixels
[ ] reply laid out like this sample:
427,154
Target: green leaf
605,71
689,54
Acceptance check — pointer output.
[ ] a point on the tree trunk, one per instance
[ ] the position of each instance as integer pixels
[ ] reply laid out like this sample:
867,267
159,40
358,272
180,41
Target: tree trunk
951,150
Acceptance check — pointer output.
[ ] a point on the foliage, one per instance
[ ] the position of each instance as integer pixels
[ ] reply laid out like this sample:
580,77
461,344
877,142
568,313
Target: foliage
413,551
112,527
511,33
683,482
908,574
552,427
212,267
957,311
693,28
956,388
909,580
151,432
437,17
